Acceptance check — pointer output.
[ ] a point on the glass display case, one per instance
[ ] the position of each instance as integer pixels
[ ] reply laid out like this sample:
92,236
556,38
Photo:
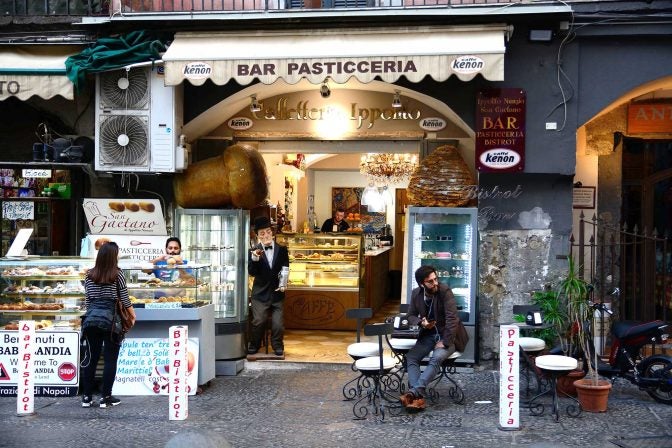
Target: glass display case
446,238
220,238
325,272
48,290
322,261
189,285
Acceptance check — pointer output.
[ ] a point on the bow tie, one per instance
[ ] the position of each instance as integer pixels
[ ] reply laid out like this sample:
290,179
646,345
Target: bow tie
268,247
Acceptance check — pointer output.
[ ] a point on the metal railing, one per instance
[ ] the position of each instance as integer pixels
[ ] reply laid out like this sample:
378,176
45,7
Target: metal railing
109,7
638,262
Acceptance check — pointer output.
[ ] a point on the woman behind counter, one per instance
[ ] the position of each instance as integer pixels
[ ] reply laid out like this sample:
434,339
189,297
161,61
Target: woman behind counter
103,283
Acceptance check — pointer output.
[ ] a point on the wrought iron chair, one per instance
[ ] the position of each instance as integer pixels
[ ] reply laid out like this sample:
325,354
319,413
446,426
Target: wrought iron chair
448,369
357,350
376,398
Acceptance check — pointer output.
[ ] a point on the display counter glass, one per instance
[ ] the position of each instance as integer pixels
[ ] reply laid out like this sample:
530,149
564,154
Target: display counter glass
48,290
323,261
325,279
220,238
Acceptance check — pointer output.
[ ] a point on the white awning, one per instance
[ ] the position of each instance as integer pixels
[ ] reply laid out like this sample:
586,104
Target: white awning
27,70
388,53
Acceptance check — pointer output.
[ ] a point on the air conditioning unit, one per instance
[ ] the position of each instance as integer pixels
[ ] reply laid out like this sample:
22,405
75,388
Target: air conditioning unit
138,122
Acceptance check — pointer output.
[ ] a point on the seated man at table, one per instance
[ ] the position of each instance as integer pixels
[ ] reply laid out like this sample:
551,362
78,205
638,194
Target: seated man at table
434,310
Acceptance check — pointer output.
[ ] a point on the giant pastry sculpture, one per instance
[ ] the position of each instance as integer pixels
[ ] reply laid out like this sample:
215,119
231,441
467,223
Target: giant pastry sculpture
443,179
236,178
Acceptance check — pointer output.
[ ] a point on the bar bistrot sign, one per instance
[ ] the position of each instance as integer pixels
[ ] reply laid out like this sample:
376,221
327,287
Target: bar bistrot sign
500,130
54,356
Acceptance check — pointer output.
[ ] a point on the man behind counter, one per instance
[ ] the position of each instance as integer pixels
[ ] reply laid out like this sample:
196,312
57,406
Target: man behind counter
169,259
337,223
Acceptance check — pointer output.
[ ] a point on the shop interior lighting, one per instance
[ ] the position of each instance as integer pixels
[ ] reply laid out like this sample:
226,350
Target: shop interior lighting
325,91
385,168
396,100
255,106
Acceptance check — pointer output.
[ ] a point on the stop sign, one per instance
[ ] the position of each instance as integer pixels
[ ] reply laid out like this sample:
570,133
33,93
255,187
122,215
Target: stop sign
67,371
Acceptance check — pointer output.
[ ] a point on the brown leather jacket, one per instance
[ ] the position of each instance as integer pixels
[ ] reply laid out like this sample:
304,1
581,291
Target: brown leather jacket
445,311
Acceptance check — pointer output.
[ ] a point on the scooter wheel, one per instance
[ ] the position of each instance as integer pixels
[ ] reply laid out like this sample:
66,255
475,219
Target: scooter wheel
661,370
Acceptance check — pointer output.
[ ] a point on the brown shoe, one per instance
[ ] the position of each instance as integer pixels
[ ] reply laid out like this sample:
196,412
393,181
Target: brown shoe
417,405
406,399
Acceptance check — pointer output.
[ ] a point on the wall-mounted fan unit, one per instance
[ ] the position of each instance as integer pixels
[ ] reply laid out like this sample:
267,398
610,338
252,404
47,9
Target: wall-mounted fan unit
123,142
138,122
124,89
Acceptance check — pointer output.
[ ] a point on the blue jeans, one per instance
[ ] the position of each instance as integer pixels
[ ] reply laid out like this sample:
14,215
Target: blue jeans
417,382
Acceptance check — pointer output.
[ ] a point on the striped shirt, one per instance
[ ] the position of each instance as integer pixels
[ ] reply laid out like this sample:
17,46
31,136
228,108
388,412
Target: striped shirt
104,295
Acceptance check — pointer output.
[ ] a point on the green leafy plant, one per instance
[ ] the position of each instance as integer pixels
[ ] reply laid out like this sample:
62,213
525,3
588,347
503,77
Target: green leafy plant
553,310
574,291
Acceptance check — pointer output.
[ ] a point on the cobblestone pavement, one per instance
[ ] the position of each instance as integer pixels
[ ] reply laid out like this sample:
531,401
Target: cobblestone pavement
301,405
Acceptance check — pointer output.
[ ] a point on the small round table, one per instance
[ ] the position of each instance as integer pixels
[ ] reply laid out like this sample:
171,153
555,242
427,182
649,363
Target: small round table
555,366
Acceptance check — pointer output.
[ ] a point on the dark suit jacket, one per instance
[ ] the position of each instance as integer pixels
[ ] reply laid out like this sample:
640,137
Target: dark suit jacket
266,279
445,311
328,226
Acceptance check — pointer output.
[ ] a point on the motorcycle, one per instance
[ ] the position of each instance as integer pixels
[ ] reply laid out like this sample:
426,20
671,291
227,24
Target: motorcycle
653,373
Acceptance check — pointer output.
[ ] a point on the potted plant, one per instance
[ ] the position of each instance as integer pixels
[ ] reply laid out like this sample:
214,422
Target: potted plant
592,392
553,308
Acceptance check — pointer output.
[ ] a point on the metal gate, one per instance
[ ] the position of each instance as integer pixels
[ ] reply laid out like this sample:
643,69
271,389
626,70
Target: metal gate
637,262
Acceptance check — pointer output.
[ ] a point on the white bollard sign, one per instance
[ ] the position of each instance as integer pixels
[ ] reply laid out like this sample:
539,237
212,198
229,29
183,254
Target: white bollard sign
509,377
178,391
25,392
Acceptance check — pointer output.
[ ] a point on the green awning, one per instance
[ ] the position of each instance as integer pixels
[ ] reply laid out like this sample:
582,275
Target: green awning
109,53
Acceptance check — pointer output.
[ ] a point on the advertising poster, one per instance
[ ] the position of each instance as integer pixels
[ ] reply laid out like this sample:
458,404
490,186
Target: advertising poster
143,367
56,363
125,216
500,130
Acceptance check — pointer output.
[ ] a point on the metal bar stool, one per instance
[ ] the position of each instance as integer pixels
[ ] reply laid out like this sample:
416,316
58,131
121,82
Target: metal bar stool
555,366
376,398
448,368
530,348
357,350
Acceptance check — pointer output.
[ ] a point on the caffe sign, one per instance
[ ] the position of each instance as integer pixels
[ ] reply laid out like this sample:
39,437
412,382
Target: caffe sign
240,123
500,130
432,124
197,70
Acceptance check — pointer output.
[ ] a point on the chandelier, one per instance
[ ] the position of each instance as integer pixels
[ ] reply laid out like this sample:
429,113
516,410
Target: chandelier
387,168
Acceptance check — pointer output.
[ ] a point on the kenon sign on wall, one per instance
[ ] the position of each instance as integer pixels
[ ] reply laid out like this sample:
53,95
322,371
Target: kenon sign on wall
500,130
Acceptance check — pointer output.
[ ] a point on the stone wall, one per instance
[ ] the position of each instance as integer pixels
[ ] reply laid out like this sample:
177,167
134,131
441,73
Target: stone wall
512,264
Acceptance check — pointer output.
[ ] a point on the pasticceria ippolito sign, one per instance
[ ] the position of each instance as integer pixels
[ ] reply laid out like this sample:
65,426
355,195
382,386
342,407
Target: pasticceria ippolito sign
361,115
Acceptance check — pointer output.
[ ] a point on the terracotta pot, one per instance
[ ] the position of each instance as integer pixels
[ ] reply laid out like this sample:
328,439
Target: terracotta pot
565,383
593,398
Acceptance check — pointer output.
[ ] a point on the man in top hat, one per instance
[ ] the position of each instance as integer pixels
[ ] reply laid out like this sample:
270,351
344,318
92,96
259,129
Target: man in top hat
265,262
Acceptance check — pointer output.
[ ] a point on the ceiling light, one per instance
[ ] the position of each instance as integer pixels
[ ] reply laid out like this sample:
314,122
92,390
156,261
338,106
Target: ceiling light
254,105
324,89
396,100
386,169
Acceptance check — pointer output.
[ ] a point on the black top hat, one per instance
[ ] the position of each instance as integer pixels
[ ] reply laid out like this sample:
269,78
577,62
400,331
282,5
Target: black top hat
261,222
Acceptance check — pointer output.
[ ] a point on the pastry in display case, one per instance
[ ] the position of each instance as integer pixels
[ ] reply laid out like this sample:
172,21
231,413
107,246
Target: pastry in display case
323,260
188,286
324,280
48,290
